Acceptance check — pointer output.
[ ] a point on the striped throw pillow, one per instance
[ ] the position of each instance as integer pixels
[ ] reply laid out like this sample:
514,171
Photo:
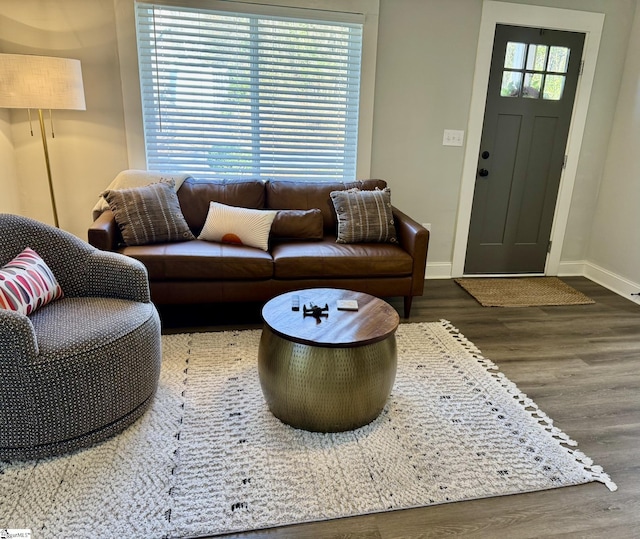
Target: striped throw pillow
364,216
149,214
27,283
240,226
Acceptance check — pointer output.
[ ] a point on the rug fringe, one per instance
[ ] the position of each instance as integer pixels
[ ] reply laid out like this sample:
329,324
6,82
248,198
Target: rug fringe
468,345
596,472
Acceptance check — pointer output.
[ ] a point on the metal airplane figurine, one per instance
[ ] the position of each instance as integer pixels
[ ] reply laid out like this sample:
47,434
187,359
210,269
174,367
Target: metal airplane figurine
316,311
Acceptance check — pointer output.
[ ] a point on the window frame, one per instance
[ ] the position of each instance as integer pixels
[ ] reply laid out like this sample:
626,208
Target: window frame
129,69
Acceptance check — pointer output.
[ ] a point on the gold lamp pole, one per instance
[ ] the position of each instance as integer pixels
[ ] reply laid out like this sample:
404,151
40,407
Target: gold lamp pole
41,82
45,147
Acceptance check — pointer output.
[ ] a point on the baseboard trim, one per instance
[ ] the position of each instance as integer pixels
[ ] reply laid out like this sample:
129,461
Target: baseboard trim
572,269
613,282
616,283
577,268
438,270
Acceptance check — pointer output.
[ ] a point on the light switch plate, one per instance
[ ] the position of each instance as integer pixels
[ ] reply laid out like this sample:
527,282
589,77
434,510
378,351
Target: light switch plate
453,137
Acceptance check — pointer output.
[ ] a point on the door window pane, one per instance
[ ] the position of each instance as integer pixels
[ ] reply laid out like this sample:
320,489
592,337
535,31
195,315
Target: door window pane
537,57
514,57
553,87
558,59
532,85
531,71
536,77
511,84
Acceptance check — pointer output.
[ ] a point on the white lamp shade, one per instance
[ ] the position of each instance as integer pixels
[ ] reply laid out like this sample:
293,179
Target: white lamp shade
40,82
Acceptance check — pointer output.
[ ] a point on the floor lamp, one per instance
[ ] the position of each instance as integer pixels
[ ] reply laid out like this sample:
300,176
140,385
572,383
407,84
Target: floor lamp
41,83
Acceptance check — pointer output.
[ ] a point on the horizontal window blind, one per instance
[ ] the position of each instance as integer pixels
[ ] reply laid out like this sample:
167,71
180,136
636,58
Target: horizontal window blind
229,95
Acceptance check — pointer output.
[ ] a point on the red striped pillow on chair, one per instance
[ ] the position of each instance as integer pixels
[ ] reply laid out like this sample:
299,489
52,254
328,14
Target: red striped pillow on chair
27,283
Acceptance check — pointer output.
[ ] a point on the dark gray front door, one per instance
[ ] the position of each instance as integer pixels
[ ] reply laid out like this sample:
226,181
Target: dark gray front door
532,84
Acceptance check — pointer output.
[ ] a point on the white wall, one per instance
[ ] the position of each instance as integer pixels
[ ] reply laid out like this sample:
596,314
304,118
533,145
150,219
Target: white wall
615,239
10,199
602,108
426,58
89,148
424,76
425,63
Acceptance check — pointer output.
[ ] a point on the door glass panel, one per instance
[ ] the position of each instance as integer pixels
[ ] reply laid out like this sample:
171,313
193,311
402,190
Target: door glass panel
532,85
528,68
537,57
511,84
553,87
514,57
558,59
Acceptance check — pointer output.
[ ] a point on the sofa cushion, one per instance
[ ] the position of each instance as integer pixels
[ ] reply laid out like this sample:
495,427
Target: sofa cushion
195,196
297,225
199,259
149,214
364,216
328,259
305,195
239,226
60,334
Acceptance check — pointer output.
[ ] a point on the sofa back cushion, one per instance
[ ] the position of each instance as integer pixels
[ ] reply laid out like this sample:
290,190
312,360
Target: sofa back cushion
298,225
306,195
195,196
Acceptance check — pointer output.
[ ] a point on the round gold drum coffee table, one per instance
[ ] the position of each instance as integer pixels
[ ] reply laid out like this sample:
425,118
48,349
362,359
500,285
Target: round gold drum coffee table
330,372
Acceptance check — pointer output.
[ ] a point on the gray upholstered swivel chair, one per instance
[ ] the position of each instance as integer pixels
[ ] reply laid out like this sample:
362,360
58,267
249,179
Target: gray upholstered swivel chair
85,366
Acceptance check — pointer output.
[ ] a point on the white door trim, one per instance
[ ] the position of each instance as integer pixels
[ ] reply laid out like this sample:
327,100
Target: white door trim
494,13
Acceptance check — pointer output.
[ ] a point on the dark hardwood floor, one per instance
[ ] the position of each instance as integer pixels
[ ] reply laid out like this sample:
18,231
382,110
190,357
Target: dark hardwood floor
580,364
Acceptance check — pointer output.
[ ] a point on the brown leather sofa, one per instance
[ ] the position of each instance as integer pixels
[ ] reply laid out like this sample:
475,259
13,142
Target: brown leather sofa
198,271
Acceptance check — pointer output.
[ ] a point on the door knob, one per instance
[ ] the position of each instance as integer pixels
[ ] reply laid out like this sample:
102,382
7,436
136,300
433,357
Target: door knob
483,172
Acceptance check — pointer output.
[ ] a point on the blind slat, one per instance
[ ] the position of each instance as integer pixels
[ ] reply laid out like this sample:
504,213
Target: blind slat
227,94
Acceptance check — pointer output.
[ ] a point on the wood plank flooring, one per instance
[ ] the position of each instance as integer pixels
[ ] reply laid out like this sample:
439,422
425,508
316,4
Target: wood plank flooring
580,364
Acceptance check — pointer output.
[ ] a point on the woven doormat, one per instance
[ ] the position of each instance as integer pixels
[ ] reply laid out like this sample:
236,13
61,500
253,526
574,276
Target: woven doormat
523,292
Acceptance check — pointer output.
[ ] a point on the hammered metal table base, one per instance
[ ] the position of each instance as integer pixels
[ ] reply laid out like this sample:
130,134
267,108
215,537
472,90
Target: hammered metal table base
325,389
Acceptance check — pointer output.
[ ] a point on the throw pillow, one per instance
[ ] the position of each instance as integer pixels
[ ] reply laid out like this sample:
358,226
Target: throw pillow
149,214
240,226
364,216
298,225
27,283
137,178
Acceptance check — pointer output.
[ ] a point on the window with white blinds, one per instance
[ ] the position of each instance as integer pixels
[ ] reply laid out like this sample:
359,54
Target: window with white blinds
229,95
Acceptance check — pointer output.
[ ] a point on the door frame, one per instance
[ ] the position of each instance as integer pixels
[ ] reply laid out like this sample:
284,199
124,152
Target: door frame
493,13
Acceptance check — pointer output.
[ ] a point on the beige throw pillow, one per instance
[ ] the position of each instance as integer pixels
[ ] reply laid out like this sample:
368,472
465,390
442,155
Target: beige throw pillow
239,226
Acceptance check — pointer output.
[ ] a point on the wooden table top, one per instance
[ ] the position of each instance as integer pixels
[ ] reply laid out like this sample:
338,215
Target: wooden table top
374,321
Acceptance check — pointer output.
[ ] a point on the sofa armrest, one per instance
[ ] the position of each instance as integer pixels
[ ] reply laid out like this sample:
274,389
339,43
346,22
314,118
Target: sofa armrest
103,232
18,344
414,239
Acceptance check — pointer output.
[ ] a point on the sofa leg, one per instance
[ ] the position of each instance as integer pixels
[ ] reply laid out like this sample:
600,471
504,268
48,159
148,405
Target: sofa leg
407,305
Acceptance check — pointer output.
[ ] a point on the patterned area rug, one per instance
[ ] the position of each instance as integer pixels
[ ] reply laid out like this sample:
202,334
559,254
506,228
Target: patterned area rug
209,457
522,291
